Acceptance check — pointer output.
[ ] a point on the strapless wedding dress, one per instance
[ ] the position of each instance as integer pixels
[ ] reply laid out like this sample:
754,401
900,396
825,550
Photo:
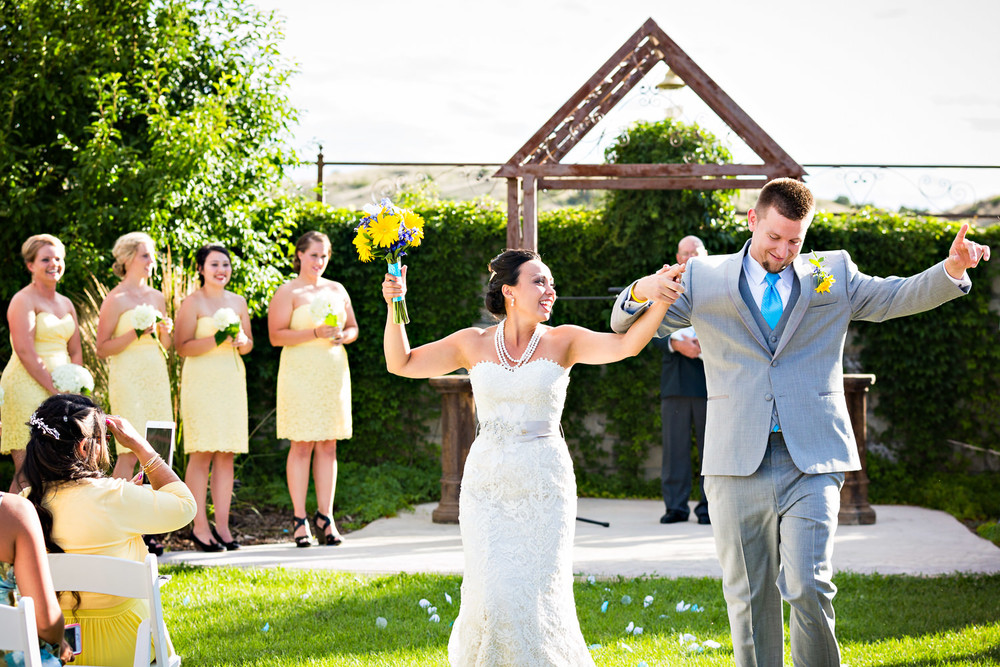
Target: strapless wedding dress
517,511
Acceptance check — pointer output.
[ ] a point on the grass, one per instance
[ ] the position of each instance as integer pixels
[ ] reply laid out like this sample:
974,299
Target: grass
285,618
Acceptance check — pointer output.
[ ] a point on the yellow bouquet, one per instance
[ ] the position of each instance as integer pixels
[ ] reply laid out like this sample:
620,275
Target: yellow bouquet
388,231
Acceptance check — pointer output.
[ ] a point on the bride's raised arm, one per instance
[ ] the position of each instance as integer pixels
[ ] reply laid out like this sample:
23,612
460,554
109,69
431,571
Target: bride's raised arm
436,358
592,347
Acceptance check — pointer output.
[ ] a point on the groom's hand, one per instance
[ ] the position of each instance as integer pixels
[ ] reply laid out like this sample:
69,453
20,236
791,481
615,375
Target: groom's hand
664,286
964,254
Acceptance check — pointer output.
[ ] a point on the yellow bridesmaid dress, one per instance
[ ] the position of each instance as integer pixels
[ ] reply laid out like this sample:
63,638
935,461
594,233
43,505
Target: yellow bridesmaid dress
21,393
214,398
138,382
314,387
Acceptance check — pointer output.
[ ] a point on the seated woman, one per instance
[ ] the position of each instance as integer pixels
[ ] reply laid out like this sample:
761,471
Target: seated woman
24,568
82,510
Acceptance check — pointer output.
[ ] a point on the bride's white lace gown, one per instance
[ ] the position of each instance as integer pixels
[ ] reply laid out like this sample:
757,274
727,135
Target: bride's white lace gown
517,512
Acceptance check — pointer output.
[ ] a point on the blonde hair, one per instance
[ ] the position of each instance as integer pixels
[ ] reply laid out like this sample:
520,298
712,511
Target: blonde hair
125,249
30,248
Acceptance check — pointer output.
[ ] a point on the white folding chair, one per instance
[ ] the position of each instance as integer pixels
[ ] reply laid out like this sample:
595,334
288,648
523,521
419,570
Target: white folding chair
127,579
18,631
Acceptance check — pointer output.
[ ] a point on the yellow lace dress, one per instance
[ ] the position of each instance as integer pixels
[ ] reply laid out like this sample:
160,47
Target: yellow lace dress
214,398
138,383
21,393
314,387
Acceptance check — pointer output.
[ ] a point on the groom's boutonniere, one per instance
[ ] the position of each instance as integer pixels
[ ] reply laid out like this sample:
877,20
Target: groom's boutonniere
823,279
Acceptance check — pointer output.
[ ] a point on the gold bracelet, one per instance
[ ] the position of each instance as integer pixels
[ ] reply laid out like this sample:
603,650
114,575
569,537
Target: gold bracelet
150,464
156,464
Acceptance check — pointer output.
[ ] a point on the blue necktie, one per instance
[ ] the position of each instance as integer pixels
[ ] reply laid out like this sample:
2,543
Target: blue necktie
770,305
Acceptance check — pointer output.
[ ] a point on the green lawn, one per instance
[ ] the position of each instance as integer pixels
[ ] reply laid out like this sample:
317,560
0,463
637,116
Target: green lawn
228,616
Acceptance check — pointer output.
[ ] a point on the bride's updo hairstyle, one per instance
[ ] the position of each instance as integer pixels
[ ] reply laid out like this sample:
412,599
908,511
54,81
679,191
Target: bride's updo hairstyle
51,457
505,269
202,255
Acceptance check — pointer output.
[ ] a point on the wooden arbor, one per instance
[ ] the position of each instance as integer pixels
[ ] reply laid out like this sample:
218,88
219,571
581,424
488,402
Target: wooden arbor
536,165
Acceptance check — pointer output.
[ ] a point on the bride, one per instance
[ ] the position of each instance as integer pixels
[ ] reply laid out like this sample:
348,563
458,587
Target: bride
518,498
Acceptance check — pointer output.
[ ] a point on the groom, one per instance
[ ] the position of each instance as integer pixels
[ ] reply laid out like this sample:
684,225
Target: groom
778,434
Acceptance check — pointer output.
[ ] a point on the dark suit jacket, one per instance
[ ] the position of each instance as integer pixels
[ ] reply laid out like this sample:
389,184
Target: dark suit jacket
680,376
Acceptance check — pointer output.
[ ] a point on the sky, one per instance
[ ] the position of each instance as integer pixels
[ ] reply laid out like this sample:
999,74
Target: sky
846,82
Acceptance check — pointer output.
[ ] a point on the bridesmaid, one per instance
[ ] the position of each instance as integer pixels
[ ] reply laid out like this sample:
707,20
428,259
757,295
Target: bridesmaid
213,394
314,383
44,334
138,382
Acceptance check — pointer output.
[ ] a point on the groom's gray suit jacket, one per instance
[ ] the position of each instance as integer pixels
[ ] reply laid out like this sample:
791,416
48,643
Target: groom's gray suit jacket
803,376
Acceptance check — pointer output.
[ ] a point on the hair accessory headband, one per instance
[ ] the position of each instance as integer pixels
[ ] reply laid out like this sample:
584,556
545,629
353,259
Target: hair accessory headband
33,420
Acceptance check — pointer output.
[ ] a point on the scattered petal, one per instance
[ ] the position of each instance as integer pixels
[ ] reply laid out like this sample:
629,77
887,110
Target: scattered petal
641,664
626,647
187,600
266,628
604,606
432,610
628,628
607,590
381,623
695,607
447,597
305,596
591,580
711,643
637,631
434,618
648,600
682,607
593,647
695,648
664,616
626,599
686,637
424,603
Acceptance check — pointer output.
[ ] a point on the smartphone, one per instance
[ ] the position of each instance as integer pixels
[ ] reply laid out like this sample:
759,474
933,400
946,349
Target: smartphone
160,436
71,634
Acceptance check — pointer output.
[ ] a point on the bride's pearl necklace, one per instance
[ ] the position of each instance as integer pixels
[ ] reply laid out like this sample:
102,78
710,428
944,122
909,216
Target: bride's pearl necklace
506,359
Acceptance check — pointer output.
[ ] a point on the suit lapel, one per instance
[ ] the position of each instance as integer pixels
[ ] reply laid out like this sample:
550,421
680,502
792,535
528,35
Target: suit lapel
803,273
734,268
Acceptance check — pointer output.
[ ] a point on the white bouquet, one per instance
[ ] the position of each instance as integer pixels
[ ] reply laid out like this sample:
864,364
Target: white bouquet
143,317
73,379
324,311
227,324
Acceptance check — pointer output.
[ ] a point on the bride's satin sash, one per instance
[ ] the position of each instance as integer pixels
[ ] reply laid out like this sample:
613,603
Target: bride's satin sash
503,430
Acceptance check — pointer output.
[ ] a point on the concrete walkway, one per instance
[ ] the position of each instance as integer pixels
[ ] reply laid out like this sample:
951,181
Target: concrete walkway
904,540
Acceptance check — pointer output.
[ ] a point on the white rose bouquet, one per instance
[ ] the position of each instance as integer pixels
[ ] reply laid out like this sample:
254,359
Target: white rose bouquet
73,379
227,324
143,317
323,311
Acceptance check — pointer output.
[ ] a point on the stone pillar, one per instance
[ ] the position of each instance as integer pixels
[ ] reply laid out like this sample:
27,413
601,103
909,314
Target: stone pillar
854,507
458,430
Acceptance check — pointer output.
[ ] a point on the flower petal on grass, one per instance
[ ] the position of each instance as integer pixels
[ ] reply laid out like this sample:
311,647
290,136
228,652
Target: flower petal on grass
591,580
447,597
711,643
626,647
434,618
604,606
686,637
681,607
626,599
424,603
648,600
381,623
266,628
628,628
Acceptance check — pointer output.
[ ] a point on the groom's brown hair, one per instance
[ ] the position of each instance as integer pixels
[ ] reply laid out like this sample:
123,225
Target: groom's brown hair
791,198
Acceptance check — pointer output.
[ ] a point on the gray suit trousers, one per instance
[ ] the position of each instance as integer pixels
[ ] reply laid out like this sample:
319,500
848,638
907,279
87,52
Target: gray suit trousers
780,524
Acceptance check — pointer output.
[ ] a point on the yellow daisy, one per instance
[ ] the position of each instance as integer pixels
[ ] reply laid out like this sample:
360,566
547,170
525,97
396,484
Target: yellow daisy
384,229
415,223
364,247
824,286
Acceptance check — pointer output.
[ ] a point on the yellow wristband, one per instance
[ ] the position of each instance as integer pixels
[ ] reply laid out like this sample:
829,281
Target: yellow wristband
632,296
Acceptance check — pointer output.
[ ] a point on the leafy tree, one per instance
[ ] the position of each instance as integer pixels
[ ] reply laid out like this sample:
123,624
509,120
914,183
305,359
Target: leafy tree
166,116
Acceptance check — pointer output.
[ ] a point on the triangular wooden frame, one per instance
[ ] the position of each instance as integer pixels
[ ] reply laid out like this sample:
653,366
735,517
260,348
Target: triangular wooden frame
536,164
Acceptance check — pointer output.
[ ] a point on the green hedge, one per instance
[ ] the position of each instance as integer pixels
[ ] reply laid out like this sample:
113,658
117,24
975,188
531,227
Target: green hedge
936,372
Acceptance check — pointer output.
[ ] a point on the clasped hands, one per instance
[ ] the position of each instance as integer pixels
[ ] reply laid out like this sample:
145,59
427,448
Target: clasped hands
664,286
964,254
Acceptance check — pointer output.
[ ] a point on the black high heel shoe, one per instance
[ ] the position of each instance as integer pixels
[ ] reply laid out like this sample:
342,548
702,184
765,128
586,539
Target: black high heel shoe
210,547
230,546
302,540
322,522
